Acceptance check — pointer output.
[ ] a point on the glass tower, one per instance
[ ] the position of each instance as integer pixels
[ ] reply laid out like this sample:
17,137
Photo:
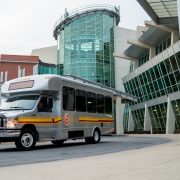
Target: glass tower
85,40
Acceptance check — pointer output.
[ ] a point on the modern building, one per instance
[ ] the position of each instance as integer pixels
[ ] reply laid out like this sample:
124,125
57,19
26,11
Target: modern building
155,71
46,54
14,66
46,68
85,38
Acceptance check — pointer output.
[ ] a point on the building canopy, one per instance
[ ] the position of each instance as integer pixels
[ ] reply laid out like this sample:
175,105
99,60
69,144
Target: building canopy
161,11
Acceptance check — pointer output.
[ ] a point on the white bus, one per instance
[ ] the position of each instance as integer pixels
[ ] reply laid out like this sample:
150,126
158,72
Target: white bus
55,108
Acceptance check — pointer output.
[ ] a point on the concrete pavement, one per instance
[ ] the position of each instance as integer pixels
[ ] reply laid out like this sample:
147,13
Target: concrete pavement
161,162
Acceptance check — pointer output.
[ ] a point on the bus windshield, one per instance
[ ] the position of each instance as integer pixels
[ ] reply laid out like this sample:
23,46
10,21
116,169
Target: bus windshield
19,102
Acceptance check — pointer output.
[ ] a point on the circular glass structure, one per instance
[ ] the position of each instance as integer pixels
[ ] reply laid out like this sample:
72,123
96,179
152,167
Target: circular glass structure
86,43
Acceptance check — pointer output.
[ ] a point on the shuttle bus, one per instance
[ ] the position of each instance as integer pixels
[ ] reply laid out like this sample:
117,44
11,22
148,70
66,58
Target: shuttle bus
54,108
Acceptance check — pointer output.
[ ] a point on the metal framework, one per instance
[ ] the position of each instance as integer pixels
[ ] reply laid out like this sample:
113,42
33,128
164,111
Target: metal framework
70,16
161,11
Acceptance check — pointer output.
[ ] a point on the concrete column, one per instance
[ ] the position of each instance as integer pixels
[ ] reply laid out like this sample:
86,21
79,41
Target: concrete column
178,8
130,122
174,37
170,121
2,78
152,52
119,116
6,76
147,119
35,69
136,64
19,71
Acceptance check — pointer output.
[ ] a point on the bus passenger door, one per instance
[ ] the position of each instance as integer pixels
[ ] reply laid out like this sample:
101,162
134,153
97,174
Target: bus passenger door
45,117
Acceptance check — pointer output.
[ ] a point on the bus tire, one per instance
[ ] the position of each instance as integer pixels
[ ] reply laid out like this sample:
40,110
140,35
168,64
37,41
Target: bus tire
95,138
58,142
26,140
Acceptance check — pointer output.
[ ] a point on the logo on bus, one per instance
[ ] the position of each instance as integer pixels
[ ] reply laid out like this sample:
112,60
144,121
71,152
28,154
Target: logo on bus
67,119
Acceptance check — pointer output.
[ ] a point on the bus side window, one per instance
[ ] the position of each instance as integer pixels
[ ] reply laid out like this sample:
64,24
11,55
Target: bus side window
68,99
100,103
80,100
108,105
91,102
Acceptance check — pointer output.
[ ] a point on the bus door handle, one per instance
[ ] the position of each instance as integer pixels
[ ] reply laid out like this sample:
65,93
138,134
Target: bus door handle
33,115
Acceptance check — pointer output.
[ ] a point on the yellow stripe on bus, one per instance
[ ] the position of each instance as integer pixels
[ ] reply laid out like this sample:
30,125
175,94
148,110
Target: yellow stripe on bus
40,120
96,119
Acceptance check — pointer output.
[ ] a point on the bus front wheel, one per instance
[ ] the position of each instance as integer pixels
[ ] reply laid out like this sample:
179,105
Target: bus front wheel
27,140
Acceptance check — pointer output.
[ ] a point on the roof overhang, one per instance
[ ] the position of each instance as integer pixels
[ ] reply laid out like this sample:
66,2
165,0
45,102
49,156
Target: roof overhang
135,51
161,11
150,37
153,36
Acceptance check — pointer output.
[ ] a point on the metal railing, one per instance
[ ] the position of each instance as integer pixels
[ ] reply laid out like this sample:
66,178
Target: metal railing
86,8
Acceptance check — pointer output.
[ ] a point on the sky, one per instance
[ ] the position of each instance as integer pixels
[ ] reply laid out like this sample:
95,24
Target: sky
28,24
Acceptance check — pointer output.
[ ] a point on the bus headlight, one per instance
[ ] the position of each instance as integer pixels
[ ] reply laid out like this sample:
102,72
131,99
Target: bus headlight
11,123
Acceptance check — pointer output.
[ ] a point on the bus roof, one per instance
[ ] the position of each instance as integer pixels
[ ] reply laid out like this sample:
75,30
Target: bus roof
50,82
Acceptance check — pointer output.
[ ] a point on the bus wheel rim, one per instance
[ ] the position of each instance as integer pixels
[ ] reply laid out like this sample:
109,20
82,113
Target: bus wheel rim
27,140
96,136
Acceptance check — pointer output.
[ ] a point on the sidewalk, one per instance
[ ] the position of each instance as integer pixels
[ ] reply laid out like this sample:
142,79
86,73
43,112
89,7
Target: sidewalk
161,162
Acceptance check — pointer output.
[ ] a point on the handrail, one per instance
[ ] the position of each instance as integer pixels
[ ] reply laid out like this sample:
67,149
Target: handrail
86,8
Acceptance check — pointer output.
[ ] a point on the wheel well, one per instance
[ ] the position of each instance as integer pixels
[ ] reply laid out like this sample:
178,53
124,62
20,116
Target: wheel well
31,127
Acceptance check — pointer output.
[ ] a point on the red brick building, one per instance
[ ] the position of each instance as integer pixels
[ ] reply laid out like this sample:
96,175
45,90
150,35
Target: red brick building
13,66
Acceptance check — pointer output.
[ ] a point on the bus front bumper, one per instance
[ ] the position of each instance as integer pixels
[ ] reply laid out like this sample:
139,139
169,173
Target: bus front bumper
8,135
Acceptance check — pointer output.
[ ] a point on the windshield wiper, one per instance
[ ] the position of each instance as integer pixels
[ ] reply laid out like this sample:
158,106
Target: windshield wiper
17,108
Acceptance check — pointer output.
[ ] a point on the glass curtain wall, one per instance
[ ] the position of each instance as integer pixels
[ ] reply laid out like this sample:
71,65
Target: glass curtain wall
86,47
144,58
126,117
44,68
138,117
161,79
158,117
176,108
163,45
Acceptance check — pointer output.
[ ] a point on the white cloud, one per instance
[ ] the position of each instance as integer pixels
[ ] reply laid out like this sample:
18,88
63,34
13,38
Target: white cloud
28,24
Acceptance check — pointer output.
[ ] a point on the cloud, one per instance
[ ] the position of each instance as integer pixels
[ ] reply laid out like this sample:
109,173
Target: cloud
25,24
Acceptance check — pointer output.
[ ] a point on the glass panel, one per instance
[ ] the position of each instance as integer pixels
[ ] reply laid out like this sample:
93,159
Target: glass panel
86,48
80,100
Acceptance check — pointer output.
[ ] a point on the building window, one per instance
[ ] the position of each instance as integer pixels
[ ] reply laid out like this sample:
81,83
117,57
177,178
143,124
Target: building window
163,45
144,58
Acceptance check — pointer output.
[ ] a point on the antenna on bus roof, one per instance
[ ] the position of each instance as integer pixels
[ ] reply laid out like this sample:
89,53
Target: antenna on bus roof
116,92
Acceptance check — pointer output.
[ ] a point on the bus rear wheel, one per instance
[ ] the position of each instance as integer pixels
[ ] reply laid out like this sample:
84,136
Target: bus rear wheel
95,138
27,140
